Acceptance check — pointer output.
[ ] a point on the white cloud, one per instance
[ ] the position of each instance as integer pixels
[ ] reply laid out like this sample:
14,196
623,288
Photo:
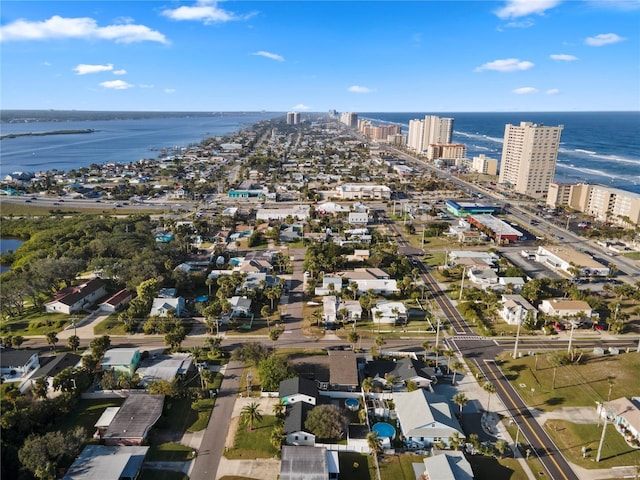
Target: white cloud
146,85
522,8
47,64
169,90
84,69
122,71
563,57
359,89
204,11
505,65
552,91
300,107
116,85
603,39
525,90
83,28
272,56
528,23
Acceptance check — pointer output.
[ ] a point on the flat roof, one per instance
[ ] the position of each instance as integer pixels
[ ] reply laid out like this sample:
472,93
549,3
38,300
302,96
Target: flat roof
496,225
572,255
107,463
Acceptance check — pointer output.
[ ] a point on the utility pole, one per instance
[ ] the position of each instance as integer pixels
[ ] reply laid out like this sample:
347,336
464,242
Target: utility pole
462,282
573,326
438,332
515,346
604,430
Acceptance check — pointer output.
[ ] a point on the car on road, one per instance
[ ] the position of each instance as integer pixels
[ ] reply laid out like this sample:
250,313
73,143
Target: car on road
598,327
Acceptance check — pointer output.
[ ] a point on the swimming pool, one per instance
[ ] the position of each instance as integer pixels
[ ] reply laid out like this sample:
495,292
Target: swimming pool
384,430
352,403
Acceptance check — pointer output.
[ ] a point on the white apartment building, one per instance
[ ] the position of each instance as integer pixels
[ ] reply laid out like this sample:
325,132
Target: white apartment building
449,150
350,119
427,131
355,190
484,164
293,118
604,203
529,156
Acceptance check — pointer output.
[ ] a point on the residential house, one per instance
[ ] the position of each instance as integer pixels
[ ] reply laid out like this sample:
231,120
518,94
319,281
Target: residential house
343,371
294,430
75,299
389,312
449,465
117,301
240,306
162,306
131,425
309,463
326,288
121,360
298,389
565,308
513,283
425,418
358,218
329,312
54,366
374,279
483,278
353,310
330,207
165,367
107,463
515,309
15,363
404,370
362,191
472,259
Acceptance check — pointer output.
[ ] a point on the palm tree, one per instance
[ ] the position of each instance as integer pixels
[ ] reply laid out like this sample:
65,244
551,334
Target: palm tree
353,286
367,384
274,334
374,442
73,342
490,388
353,338
279,409
449,354
456,366
438,351
380,341
250,414
461,400
52,339
427,346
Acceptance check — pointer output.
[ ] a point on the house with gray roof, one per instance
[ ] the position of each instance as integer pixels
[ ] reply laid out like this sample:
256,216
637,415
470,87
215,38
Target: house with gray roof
425,418
14,363
298,389
343,370
450,465
295,431
404,370
308,463
121,360
107,463
77,298
131,425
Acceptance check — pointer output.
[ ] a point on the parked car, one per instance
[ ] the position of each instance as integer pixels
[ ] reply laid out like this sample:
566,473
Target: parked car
598,327
558,327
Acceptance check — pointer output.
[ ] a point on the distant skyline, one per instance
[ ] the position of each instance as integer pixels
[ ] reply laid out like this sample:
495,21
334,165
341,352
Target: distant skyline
361,56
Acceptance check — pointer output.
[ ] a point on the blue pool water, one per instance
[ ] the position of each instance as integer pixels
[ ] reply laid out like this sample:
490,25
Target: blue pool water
384,429
202,298
352,403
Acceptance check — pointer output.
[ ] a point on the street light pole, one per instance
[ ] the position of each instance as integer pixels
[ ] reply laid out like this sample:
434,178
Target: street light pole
573,326
462,282
604,430
515,346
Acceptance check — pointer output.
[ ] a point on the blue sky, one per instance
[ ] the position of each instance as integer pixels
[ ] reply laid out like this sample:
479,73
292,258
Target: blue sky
363,56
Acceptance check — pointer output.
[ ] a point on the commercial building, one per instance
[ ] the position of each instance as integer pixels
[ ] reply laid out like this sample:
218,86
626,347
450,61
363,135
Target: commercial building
462,209
570,261
351,191
446,150
350,119
529,156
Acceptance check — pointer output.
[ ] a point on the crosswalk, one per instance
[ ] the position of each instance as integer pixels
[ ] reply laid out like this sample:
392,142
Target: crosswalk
470,337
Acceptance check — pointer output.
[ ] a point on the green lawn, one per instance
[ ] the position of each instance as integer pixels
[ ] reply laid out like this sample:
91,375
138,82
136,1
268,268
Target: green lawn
178,416
254,444
204,414
355,466
110,326
169,452
34,322
576,385
398,467
86,414
573,436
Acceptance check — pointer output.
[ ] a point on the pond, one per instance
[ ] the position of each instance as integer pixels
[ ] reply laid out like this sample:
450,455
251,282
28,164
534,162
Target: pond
7,245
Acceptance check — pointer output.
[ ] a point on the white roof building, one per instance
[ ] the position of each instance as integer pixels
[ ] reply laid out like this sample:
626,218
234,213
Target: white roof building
515,309
388,312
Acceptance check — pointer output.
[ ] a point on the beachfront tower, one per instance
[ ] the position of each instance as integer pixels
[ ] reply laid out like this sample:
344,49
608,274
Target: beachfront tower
427,131
529,156
293,118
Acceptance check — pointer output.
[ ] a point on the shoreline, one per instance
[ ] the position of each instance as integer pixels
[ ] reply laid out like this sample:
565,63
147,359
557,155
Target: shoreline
44,134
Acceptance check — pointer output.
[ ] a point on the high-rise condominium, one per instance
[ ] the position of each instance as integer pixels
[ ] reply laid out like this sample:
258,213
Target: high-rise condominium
293,118
428,131
529,157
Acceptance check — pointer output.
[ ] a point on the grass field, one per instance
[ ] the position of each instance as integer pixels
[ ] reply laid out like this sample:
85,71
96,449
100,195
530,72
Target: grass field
254,444
355,466
573,437
148,474
491,468
576,385
34,322
86,414
169,452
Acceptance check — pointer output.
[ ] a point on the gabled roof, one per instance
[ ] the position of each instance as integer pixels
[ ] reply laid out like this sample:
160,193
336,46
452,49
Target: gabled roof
421,412
448,466
107,463
71,296
119,356
15,358
136,416
57,364
403,368
298,385
296,415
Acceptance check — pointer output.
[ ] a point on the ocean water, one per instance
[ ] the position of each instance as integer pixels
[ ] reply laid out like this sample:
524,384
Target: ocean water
595,147
116,140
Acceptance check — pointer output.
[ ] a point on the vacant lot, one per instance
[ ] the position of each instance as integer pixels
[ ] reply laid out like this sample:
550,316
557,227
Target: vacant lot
576,385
